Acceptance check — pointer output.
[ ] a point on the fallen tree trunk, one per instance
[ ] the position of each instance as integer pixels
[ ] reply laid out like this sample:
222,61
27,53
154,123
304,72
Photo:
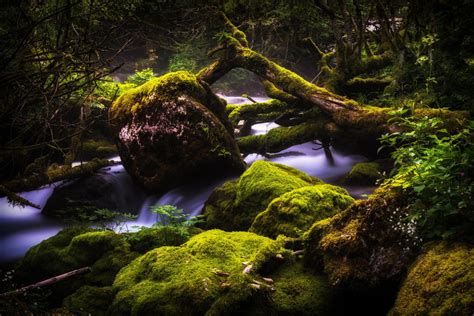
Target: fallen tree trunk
347,120
54,175
281,138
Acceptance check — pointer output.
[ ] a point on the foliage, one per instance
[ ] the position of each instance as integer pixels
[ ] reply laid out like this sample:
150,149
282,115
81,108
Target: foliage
111,89
140,77
170,215
437,167
101,219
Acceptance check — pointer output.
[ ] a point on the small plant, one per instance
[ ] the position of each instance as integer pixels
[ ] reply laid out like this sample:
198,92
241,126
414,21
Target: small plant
140,77
436,168
103,219
170,215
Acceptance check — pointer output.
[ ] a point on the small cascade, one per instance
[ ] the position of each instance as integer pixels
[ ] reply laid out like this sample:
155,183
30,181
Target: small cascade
23,227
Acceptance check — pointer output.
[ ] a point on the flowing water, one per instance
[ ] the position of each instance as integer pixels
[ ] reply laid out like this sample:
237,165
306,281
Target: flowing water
23,227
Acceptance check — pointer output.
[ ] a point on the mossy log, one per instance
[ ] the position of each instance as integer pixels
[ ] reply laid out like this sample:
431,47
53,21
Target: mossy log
53,175
349,120
280,138
257,112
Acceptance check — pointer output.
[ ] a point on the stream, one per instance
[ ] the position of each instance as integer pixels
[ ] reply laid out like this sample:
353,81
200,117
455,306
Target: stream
24,227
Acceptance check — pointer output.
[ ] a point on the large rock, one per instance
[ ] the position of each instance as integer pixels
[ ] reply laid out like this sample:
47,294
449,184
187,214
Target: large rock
440,282
205,275
172,128
106,189
104,251
364,173
294,212
368,245
235,204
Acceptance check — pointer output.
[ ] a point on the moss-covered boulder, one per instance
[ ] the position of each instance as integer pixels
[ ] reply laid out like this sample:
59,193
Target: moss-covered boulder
203,275
105,252
370,244
234,205
364,173
172,128
440,282
294,212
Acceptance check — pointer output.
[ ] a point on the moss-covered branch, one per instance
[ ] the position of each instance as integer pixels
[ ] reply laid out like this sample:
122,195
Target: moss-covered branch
257,112
280,138
53,175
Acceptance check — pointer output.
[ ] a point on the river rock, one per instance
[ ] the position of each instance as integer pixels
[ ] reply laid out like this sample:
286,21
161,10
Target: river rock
110,188
440,282
205,277
294,212
235,204
171,129
368,245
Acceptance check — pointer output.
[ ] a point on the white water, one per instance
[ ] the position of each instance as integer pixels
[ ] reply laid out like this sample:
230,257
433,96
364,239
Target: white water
23,227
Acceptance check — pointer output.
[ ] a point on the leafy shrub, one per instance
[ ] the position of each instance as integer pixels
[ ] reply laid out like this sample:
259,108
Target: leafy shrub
437,168
140,77
170,215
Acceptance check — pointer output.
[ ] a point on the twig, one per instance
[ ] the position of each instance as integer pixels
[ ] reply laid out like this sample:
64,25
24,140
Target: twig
48,281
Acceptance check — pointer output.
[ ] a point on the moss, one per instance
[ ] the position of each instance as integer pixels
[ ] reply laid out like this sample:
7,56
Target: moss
104,251
440,282
96,149
280,138
300,292
366,85
262,111
234,205
156,90
147,239
293,213
364,173
171,129
90,300
190,279
368,244
292,83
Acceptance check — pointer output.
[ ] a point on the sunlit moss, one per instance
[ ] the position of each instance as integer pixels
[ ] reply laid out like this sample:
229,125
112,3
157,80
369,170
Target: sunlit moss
234,205
155,90
190,279
440,282
293,213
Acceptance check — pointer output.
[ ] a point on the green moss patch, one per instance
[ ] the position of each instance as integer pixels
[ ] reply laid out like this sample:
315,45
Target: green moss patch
364,173
195,278
235,204
293,213
440,282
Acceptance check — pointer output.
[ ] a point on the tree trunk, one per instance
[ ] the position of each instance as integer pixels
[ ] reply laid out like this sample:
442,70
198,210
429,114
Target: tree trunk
51,176
347,119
